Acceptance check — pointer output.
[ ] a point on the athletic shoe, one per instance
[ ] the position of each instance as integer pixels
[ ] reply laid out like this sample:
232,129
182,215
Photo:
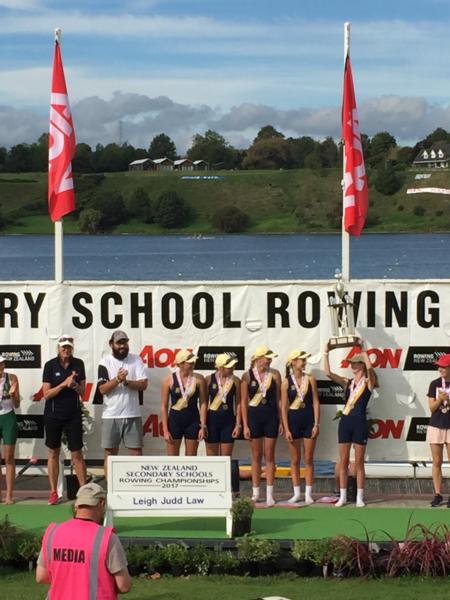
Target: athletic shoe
53,499
448,502
437,500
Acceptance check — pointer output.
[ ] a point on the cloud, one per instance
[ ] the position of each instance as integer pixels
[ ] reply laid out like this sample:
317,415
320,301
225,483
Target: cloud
137,118
18,126
19,4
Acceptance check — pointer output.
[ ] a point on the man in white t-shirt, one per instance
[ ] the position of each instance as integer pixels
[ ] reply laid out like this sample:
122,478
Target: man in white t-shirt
121,378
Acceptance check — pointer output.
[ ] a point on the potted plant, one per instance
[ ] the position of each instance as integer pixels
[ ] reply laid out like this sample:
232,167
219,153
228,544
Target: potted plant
242,511
257,555
301,551
223,563
177,556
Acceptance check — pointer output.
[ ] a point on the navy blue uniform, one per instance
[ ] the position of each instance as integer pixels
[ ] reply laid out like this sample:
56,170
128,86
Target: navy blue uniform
263,420
222,421
441,417
300,420
353,427
62,413
186,422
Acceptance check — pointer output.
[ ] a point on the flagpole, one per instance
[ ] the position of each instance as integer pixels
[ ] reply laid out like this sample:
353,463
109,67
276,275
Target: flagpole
59,266
345,237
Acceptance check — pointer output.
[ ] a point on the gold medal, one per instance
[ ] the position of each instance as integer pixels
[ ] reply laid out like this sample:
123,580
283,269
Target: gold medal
302,405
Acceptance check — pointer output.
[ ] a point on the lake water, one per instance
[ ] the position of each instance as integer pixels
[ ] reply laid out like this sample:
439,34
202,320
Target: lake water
254,257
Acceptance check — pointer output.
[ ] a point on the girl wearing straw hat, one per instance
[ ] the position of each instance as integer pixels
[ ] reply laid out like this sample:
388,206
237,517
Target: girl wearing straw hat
300,411
353,428
224,407
185,391
260,400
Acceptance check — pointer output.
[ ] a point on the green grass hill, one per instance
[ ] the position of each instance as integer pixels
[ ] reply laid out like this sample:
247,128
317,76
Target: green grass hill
282,201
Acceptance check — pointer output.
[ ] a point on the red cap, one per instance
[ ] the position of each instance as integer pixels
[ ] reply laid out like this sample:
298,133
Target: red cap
443,361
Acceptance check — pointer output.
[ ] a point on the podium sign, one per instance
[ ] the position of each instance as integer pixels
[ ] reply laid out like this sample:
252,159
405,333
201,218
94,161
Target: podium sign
175,486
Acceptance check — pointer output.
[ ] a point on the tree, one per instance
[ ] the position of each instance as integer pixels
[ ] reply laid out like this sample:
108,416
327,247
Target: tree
268,153
83,160
112,209
39,154
171,211
328,152
230,219
213,148
90,221
300,148
19,159
438,135
162,146
267,133
387,181
380,145
139,205
3,155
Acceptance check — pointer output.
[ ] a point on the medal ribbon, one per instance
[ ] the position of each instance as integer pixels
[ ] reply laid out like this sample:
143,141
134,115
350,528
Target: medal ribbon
444,407
302,390
263,387
221,397
355,392
186,392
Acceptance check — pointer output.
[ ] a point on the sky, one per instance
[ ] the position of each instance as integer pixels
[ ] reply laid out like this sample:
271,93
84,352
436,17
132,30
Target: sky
137,68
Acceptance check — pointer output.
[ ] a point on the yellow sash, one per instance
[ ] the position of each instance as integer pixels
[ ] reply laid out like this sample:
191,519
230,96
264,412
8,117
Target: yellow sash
183,403
217,401
353,399
258,397
299,402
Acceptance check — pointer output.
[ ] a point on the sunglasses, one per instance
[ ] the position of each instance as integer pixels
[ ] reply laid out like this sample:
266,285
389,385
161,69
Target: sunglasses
65,339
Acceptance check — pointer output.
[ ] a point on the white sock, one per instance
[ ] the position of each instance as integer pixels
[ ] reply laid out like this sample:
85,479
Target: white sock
269,496
308,495
255,494
360,498
342,498
296,496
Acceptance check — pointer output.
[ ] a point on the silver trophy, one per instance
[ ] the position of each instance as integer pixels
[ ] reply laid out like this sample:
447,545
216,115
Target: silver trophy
342,317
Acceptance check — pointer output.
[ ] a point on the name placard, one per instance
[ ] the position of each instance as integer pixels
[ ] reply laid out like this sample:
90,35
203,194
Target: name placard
174,486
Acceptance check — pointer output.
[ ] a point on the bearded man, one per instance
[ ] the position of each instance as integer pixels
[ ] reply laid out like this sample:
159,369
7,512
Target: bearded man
121,379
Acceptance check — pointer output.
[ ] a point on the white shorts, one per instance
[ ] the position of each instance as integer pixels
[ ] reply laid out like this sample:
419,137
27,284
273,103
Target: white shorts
436,435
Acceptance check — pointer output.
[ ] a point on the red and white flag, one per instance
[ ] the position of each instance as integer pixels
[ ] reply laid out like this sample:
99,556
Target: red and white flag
355,179
61,145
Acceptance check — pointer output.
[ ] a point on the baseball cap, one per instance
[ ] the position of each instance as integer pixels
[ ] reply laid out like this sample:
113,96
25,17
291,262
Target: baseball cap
119,335
90,494
297,353
225,360
443,361
263,351
356,358
65,340
185,356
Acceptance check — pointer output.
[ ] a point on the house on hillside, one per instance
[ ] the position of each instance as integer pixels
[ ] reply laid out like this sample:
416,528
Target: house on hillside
142,164
183,164
436,157
201,165
163,164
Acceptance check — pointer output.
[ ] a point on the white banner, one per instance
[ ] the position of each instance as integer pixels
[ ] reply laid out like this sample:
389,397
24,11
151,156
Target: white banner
406,326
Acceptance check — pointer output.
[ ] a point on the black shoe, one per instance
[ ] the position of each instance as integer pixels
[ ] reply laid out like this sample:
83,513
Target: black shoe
437,500
448,502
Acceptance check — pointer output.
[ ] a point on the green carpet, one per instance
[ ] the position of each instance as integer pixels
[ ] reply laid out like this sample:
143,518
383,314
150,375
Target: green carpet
276,523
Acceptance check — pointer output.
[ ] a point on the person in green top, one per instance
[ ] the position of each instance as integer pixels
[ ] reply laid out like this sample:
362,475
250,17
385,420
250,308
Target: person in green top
9,400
